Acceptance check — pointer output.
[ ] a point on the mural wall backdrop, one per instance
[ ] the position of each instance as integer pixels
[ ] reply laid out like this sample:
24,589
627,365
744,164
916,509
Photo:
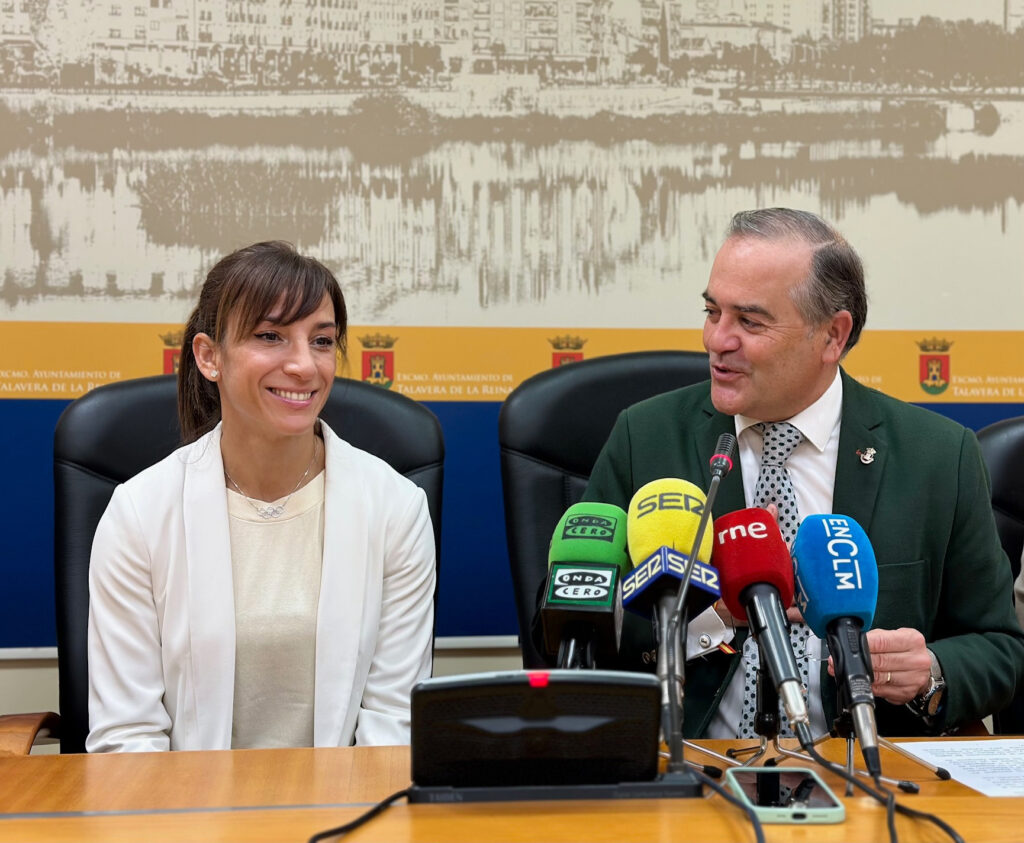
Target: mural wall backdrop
500,187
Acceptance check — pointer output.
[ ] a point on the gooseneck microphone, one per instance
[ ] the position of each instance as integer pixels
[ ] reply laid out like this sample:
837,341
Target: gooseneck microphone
721,465
757,585
837,591
580,610
721,460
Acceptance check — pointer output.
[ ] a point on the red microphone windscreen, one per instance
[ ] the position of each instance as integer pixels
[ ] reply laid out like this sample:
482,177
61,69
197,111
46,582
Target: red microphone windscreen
748,549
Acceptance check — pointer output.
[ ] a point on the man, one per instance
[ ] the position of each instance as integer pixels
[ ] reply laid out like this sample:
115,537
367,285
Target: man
1018,592
785,302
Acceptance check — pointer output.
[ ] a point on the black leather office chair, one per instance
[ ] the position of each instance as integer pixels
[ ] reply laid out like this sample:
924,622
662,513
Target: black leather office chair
115,431
551,429
1002,446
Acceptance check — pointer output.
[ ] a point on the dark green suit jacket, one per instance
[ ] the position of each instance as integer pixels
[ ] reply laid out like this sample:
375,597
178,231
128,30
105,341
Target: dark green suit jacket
925,504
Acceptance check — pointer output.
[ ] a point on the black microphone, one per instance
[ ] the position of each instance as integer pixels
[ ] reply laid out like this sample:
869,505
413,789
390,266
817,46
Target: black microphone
662,520
837,590
757,585
580,611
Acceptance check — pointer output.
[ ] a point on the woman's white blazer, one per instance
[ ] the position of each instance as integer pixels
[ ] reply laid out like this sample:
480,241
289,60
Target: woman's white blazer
162,618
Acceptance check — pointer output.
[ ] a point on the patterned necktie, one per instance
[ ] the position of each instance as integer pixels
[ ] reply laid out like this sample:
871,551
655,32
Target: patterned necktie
774,486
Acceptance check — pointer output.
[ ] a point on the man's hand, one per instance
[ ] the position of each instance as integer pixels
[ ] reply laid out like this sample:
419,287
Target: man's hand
901,664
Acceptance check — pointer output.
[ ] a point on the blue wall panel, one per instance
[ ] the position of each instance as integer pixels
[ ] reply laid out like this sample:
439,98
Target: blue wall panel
976,416
26,504
476,588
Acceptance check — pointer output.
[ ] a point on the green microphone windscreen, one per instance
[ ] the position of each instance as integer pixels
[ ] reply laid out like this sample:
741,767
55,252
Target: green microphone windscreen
591,532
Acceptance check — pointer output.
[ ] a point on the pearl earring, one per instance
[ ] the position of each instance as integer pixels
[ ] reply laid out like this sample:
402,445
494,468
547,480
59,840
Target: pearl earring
214,373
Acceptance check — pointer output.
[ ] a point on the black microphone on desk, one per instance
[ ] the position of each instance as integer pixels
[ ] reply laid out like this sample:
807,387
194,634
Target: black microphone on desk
580,610
837,591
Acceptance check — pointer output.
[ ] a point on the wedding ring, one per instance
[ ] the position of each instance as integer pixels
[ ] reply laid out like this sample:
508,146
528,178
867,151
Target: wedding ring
888,678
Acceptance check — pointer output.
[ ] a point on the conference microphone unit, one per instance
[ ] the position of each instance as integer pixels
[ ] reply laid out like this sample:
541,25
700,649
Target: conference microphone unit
756,574
679,615
537,735
580,611
721,460
837,591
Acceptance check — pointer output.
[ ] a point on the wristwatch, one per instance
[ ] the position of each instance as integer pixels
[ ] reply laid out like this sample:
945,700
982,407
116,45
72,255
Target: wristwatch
929,703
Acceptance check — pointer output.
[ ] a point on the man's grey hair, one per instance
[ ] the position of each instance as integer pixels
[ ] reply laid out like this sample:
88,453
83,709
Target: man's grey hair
836,281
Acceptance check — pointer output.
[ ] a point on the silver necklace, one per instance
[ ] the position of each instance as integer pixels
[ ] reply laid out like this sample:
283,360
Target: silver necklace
269,510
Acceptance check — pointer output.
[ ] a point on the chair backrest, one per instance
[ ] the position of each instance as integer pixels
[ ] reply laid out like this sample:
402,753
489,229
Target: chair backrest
551,429
1002,446
113,432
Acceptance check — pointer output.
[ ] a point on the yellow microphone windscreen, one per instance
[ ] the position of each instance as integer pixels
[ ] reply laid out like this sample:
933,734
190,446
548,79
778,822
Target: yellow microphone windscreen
666,513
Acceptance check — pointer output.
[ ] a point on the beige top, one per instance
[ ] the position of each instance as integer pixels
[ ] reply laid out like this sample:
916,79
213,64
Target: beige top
276,565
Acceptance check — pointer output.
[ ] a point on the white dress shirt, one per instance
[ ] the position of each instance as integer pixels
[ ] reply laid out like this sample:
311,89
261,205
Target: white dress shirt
812,470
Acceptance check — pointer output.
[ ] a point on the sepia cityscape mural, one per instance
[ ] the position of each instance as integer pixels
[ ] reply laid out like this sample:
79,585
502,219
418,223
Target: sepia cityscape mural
505,162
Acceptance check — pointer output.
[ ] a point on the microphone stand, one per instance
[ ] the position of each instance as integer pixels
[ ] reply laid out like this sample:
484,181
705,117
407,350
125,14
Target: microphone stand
842,727
767,725
725,759
785,752
572,655
939,772
766,720
663,613
721,462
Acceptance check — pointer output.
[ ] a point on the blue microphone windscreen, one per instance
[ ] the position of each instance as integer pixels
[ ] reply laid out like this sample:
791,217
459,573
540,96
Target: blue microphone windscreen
836,572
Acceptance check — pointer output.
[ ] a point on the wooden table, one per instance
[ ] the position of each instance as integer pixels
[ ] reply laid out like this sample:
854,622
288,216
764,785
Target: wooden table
288,795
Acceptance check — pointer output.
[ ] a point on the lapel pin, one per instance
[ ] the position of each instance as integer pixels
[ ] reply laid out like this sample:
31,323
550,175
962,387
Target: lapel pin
867,455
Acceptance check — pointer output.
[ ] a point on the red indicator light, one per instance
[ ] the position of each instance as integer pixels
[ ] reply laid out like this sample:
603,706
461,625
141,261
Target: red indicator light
538,679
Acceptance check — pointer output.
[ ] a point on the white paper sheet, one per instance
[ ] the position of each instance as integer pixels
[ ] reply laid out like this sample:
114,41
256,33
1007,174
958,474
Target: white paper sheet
993,767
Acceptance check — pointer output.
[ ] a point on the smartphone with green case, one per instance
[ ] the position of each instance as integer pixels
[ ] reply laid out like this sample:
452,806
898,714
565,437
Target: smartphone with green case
785,794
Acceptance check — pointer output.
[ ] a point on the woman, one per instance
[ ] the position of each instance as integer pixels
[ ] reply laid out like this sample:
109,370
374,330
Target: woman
267,584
